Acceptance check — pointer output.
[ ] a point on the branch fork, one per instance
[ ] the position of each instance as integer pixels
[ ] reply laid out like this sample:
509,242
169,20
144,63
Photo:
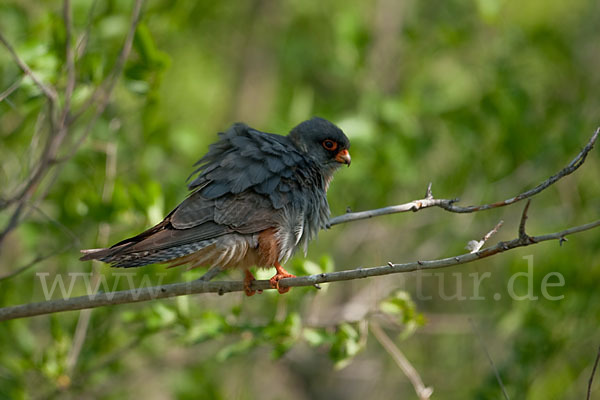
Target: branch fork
100,98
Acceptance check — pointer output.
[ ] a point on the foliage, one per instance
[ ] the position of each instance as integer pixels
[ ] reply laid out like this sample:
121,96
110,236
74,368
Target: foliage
483,98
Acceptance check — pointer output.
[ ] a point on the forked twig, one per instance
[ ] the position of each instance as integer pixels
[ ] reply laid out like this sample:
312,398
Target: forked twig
591,381
222,287
423,392
450,204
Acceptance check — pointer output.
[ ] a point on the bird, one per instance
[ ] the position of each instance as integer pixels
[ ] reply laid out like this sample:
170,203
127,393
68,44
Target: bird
255,198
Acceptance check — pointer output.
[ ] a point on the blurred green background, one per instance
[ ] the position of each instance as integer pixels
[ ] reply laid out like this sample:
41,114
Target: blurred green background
484,98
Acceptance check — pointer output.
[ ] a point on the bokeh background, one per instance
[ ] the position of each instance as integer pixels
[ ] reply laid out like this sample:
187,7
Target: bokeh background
483,98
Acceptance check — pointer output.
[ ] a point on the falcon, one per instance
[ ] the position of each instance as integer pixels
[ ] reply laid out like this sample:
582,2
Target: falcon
255,198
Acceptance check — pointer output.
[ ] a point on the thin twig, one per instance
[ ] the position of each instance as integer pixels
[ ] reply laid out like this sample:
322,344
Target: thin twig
79,378
449,205
423,392
74,242
493,231
476,245
83,321
30,264
428,193
81,43
222,287
591,381
489,357
48,90
210,274
522,233
12,222
58,134
70,61
52,144
103,92
79,336
414,205
11,89
570,168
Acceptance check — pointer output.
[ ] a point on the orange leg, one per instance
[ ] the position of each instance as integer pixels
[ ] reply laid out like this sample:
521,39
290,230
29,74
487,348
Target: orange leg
248,279
281,273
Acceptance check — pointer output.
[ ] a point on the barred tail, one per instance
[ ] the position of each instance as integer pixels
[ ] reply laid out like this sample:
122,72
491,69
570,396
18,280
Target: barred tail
124,256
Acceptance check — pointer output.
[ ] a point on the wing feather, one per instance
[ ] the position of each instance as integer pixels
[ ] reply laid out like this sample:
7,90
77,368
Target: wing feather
247,182
245,159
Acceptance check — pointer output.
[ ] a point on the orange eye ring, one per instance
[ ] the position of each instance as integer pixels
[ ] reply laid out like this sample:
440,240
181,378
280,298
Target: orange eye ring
329,144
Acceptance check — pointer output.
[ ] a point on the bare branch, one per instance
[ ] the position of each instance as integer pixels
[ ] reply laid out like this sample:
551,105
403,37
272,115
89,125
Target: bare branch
414,205
81,42
423,392
489,357
12,222
42,257
83,322
70,61
210,274
78,339
591,381
449,205
476,245
27,266
10,89
48,90
428,193
222,287
522,234
58,133
103,92
27,191
75,241
493,231
570,168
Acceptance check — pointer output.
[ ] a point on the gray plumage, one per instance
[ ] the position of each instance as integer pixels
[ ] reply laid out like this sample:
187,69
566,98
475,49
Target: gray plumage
248,183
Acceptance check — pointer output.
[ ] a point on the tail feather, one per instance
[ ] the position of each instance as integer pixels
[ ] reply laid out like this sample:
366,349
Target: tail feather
158,244
125,257
95,254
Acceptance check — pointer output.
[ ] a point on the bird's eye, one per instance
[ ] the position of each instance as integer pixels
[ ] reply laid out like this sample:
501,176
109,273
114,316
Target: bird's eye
329,144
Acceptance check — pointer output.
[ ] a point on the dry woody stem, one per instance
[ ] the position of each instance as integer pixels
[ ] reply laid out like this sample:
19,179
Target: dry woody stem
99,101
222,287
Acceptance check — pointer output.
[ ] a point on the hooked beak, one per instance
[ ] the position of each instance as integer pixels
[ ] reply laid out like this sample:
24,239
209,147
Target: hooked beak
343,157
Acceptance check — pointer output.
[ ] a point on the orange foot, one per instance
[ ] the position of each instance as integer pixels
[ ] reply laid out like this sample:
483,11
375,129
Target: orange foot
281,273
248,279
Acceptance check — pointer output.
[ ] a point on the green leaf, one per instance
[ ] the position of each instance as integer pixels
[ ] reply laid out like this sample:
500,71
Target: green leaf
345,346
283,335
149,53
208,326
161,316
316,337
401,306
237,348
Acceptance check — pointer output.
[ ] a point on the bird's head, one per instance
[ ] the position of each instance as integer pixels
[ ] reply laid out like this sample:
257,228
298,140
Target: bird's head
322,141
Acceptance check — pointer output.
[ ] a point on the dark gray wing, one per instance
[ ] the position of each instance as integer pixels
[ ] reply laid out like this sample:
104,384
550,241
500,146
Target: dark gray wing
246,212
242,185
198,220
244,159
247,182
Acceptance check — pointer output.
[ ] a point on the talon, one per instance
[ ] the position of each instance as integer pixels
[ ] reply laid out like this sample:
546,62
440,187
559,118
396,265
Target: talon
281,273
248,279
